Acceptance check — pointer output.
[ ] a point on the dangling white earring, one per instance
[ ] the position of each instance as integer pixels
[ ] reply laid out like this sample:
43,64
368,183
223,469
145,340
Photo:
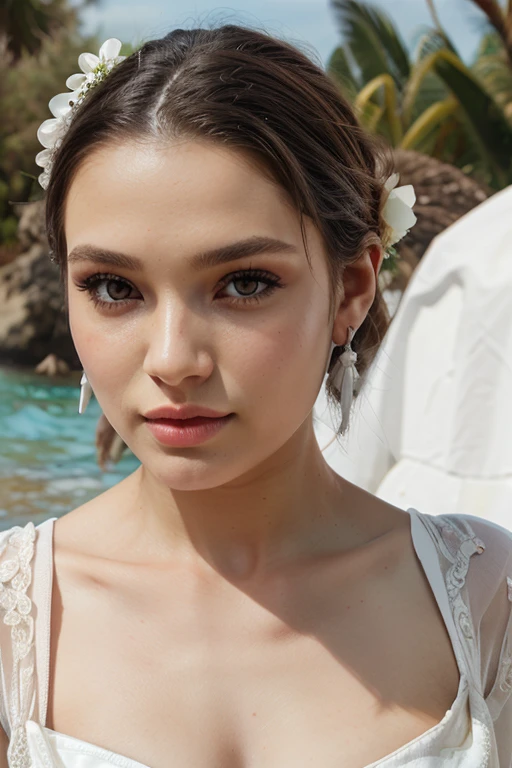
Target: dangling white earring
344,377
85,393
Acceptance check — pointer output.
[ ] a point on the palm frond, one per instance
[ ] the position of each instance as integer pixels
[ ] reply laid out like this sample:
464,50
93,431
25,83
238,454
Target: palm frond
495,74
485,120
385,85
429,41
428,122
373,40
438,29
343,73
490,44
370,115
424,87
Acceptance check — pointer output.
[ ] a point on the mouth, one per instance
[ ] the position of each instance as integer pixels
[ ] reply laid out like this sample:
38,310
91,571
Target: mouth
182,433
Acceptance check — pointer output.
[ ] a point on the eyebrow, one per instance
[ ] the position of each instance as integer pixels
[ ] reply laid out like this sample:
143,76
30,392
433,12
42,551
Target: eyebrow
251,246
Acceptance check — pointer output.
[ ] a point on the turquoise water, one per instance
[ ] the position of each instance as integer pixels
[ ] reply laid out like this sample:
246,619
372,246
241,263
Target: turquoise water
47,453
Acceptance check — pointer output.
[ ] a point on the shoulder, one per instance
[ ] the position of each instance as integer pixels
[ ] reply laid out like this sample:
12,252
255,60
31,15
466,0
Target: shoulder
458,538
484,583
489,576
460,534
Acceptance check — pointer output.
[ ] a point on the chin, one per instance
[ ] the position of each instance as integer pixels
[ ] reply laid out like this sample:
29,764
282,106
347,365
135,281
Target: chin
191,471
213,464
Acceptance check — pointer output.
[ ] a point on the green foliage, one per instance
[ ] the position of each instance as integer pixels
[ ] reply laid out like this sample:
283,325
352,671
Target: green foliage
372,40
484,120
492,68
27,88
42,42
8,230
25,24
343,72
432,102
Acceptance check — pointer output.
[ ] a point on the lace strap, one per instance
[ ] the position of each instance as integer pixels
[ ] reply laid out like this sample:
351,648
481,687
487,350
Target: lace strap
502,688
457,542
16,554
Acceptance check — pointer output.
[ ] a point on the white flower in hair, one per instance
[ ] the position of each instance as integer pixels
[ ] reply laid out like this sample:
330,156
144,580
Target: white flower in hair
397,211
51,131
95,68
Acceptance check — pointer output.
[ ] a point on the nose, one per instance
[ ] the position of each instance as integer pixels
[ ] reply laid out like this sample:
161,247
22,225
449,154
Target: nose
176,345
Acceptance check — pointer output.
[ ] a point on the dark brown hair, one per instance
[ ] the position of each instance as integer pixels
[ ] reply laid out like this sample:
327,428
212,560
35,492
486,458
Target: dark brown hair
247,90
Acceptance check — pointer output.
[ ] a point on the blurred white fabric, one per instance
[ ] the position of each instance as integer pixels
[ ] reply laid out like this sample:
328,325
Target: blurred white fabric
432,426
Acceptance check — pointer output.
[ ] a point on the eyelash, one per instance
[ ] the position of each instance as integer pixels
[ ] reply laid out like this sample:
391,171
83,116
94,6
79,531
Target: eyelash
91,283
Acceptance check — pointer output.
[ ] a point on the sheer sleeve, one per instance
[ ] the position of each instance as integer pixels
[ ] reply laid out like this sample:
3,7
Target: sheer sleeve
6,661
17,692
490,599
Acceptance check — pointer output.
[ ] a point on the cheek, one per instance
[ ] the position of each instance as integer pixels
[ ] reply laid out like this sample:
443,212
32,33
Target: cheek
105,356
282,362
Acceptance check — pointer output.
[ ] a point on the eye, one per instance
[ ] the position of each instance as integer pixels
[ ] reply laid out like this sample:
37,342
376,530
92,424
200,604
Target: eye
107,290
111,291
245,283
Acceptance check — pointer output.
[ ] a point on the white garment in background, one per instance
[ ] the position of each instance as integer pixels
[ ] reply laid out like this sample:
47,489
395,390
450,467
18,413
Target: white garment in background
467,562
432,427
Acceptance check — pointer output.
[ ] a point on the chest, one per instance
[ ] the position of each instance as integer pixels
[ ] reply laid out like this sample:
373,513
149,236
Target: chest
327,672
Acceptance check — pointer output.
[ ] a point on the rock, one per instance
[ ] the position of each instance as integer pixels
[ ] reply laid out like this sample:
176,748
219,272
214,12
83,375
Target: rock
52,366
33,322
31,226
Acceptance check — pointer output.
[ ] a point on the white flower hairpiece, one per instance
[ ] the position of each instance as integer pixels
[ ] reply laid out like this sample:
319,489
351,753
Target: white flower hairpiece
94,69
397,211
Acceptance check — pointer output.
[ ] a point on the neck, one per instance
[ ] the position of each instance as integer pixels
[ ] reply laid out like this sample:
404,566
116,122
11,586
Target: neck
284,510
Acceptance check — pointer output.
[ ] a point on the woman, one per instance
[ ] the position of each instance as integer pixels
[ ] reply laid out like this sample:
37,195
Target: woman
217,214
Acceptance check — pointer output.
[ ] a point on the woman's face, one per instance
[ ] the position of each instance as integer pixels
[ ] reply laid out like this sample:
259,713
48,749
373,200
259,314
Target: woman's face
180,328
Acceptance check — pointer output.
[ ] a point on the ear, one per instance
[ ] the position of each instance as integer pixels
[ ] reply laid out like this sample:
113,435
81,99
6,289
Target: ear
360,281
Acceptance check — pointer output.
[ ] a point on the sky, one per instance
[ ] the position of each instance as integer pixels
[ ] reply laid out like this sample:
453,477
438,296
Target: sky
308,22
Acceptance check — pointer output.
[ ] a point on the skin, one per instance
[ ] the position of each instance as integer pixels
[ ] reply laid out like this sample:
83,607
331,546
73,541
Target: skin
240,584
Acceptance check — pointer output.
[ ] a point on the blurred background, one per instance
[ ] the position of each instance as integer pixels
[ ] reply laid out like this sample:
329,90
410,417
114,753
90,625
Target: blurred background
432,77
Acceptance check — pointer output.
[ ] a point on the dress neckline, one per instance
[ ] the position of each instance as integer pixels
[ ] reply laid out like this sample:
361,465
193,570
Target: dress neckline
425,550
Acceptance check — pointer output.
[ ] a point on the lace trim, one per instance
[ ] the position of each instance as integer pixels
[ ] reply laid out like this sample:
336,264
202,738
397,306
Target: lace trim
458,543
15,578
469,544
505,672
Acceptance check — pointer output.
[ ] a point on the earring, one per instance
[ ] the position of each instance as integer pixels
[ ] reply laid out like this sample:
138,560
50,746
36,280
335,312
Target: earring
85,393
344,377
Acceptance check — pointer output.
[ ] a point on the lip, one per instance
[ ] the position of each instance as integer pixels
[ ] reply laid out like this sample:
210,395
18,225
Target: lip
183,433
183,412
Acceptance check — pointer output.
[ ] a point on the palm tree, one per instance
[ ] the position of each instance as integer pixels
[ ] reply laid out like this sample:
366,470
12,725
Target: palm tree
429,101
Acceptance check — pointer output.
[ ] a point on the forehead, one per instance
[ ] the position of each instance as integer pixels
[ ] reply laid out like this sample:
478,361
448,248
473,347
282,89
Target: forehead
147,198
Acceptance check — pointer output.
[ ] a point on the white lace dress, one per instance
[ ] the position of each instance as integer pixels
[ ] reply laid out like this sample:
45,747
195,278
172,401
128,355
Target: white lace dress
467,561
